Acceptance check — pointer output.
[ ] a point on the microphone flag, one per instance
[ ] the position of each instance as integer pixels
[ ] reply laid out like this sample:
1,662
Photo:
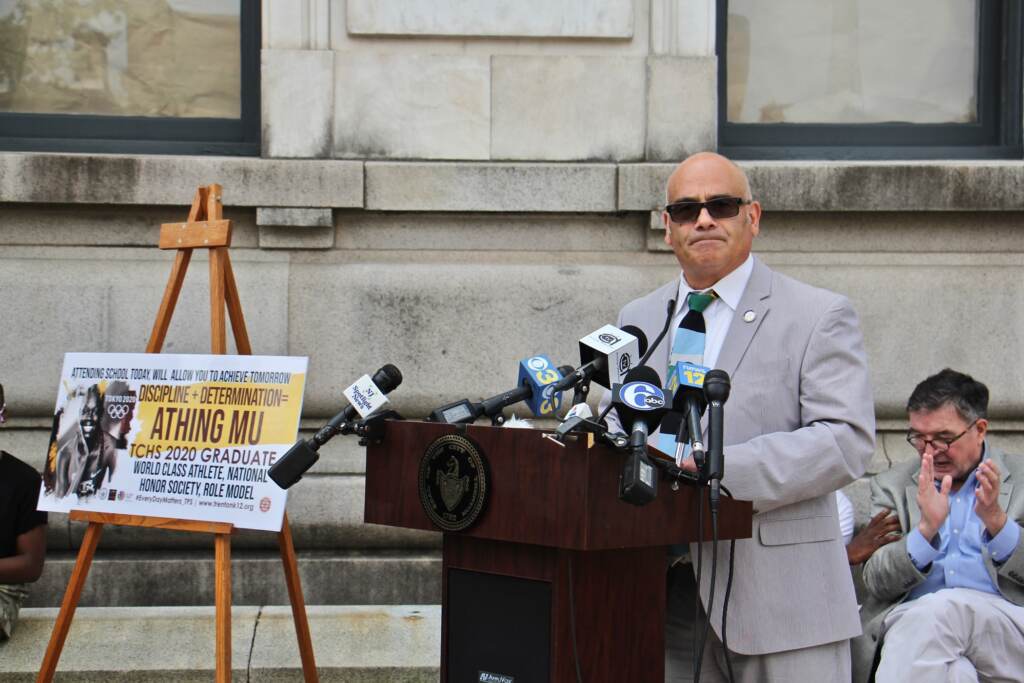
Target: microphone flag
540,374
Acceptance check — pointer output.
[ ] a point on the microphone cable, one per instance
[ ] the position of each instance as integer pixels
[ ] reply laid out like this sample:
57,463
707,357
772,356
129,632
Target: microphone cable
699,654
725,600
698,647
711,594
669,310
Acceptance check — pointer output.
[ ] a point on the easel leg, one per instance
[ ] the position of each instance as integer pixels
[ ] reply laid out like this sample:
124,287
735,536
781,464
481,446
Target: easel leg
170,300
218,326
235,310
70,603
222,595
294,583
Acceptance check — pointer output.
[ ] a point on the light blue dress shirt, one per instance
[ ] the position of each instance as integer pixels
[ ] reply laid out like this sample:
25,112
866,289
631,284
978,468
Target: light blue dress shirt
958,560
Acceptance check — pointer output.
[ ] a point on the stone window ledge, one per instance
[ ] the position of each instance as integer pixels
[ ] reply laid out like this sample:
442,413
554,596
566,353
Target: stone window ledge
854,185
157,180
582,187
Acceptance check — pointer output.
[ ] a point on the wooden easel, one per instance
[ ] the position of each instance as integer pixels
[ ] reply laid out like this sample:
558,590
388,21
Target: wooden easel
204,229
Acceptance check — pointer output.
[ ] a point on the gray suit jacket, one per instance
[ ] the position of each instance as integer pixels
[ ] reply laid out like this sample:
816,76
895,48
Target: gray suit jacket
799,424
889,574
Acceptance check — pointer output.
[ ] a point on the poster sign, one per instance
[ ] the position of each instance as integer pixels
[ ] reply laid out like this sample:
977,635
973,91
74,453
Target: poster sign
178,436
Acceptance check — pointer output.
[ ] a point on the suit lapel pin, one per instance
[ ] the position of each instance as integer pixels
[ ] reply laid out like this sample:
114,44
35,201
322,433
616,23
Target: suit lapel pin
749,317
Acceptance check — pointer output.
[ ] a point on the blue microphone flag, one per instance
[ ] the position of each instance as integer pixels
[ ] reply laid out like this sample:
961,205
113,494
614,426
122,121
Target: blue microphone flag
686,374
539,373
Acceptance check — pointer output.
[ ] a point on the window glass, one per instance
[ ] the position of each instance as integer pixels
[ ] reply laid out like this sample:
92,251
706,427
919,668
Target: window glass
852,61
153,58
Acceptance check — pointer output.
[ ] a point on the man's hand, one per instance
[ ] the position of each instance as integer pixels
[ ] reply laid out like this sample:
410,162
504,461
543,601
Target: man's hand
986,497
883,528
934,504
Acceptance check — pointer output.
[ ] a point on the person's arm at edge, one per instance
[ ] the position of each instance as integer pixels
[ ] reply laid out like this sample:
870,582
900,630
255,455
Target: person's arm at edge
26,565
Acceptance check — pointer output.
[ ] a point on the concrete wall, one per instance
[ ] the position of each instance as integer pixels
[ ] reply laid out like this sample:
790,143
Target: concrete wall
449,193
588,80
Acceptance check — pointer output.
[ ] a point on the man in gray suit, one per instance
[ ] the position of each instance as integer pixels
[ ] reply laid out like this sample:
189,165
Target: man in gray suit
799,424
947,596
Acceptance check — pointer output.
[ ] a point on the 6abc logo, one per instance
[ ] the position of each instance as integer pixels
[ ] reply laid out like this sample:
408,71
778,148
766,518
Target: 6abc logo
545,374
642,396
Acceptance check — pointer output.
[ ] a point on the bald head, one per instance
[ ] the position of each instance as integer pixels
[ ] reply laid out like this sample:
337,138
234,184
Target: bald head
706,164
715,236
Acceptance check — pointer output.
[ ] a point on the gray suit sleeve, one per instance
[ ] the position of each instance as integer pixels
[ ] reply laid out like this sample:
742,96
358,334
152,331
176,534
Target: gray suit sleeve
1013,568
889,572
1010,574
837,437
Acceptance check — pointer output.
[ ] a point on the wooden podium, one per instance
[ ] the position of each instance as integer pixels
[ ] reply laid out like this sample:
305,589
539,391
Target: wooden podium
555,565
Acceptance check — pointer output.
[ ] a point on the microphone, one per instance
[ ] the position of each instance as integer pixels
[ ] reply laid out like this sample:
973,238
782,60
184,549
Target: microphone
606,355
537,379
716,389
641,346
690,401
364,399
640,402
366,394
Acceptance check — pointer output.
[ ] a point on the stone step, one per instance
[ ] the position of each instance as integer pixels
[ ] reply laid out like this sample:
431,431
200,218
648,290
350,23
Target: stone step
160,645
164,578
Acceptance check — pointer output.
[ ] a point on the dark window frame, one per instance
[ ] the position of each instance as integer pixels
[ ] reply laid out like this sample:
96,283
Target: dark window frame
23,132
996,134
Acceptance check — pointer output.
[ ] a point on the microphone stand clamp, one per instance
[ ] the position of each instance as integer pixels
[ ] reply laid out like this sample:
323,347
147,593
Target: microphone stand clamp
371,429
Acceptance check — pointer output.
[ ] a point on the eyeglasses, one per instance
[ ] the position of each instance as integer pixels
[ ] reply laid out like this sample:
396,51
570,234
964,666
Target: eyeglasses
939,445
719,207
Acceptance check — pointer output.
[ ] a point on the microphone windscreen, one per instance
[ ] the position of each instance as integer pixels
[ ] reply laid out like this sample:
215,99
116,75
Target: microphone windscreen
641,338
387,378
717,385
642,373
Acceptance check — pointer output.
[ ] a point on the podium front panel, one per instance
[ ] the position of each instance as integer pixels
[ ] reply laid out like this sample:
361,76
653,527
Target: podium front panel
606,607
497,625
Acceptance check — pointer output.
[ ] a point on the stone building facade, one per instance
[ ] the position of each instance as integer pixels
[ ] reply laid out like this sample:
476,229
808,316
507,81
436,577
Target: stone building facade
450,190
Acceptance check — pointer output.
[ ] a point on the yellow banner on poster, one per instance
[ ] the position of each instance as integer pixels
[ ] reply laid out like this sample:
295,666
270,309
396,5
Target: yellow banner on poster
216,414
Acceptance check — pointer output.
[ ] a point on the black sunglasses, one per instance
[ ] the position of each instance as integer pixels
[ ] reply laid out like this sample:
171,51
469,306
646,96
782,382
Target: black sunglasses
720,207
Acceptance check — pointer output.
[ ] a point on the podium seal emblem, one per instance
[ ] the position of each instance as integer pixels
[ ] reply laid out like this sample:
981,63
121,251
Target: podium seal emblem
454,482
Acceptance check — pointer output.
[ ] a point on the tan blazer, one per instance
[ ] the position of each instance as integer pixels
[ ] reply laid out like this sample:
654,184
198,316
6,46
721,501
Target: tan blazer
889,574
799,424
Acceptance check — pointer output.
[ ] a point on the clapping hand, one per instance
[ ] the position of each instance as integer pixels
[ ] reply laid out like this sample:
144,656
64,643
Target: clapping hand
934,504
986,497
